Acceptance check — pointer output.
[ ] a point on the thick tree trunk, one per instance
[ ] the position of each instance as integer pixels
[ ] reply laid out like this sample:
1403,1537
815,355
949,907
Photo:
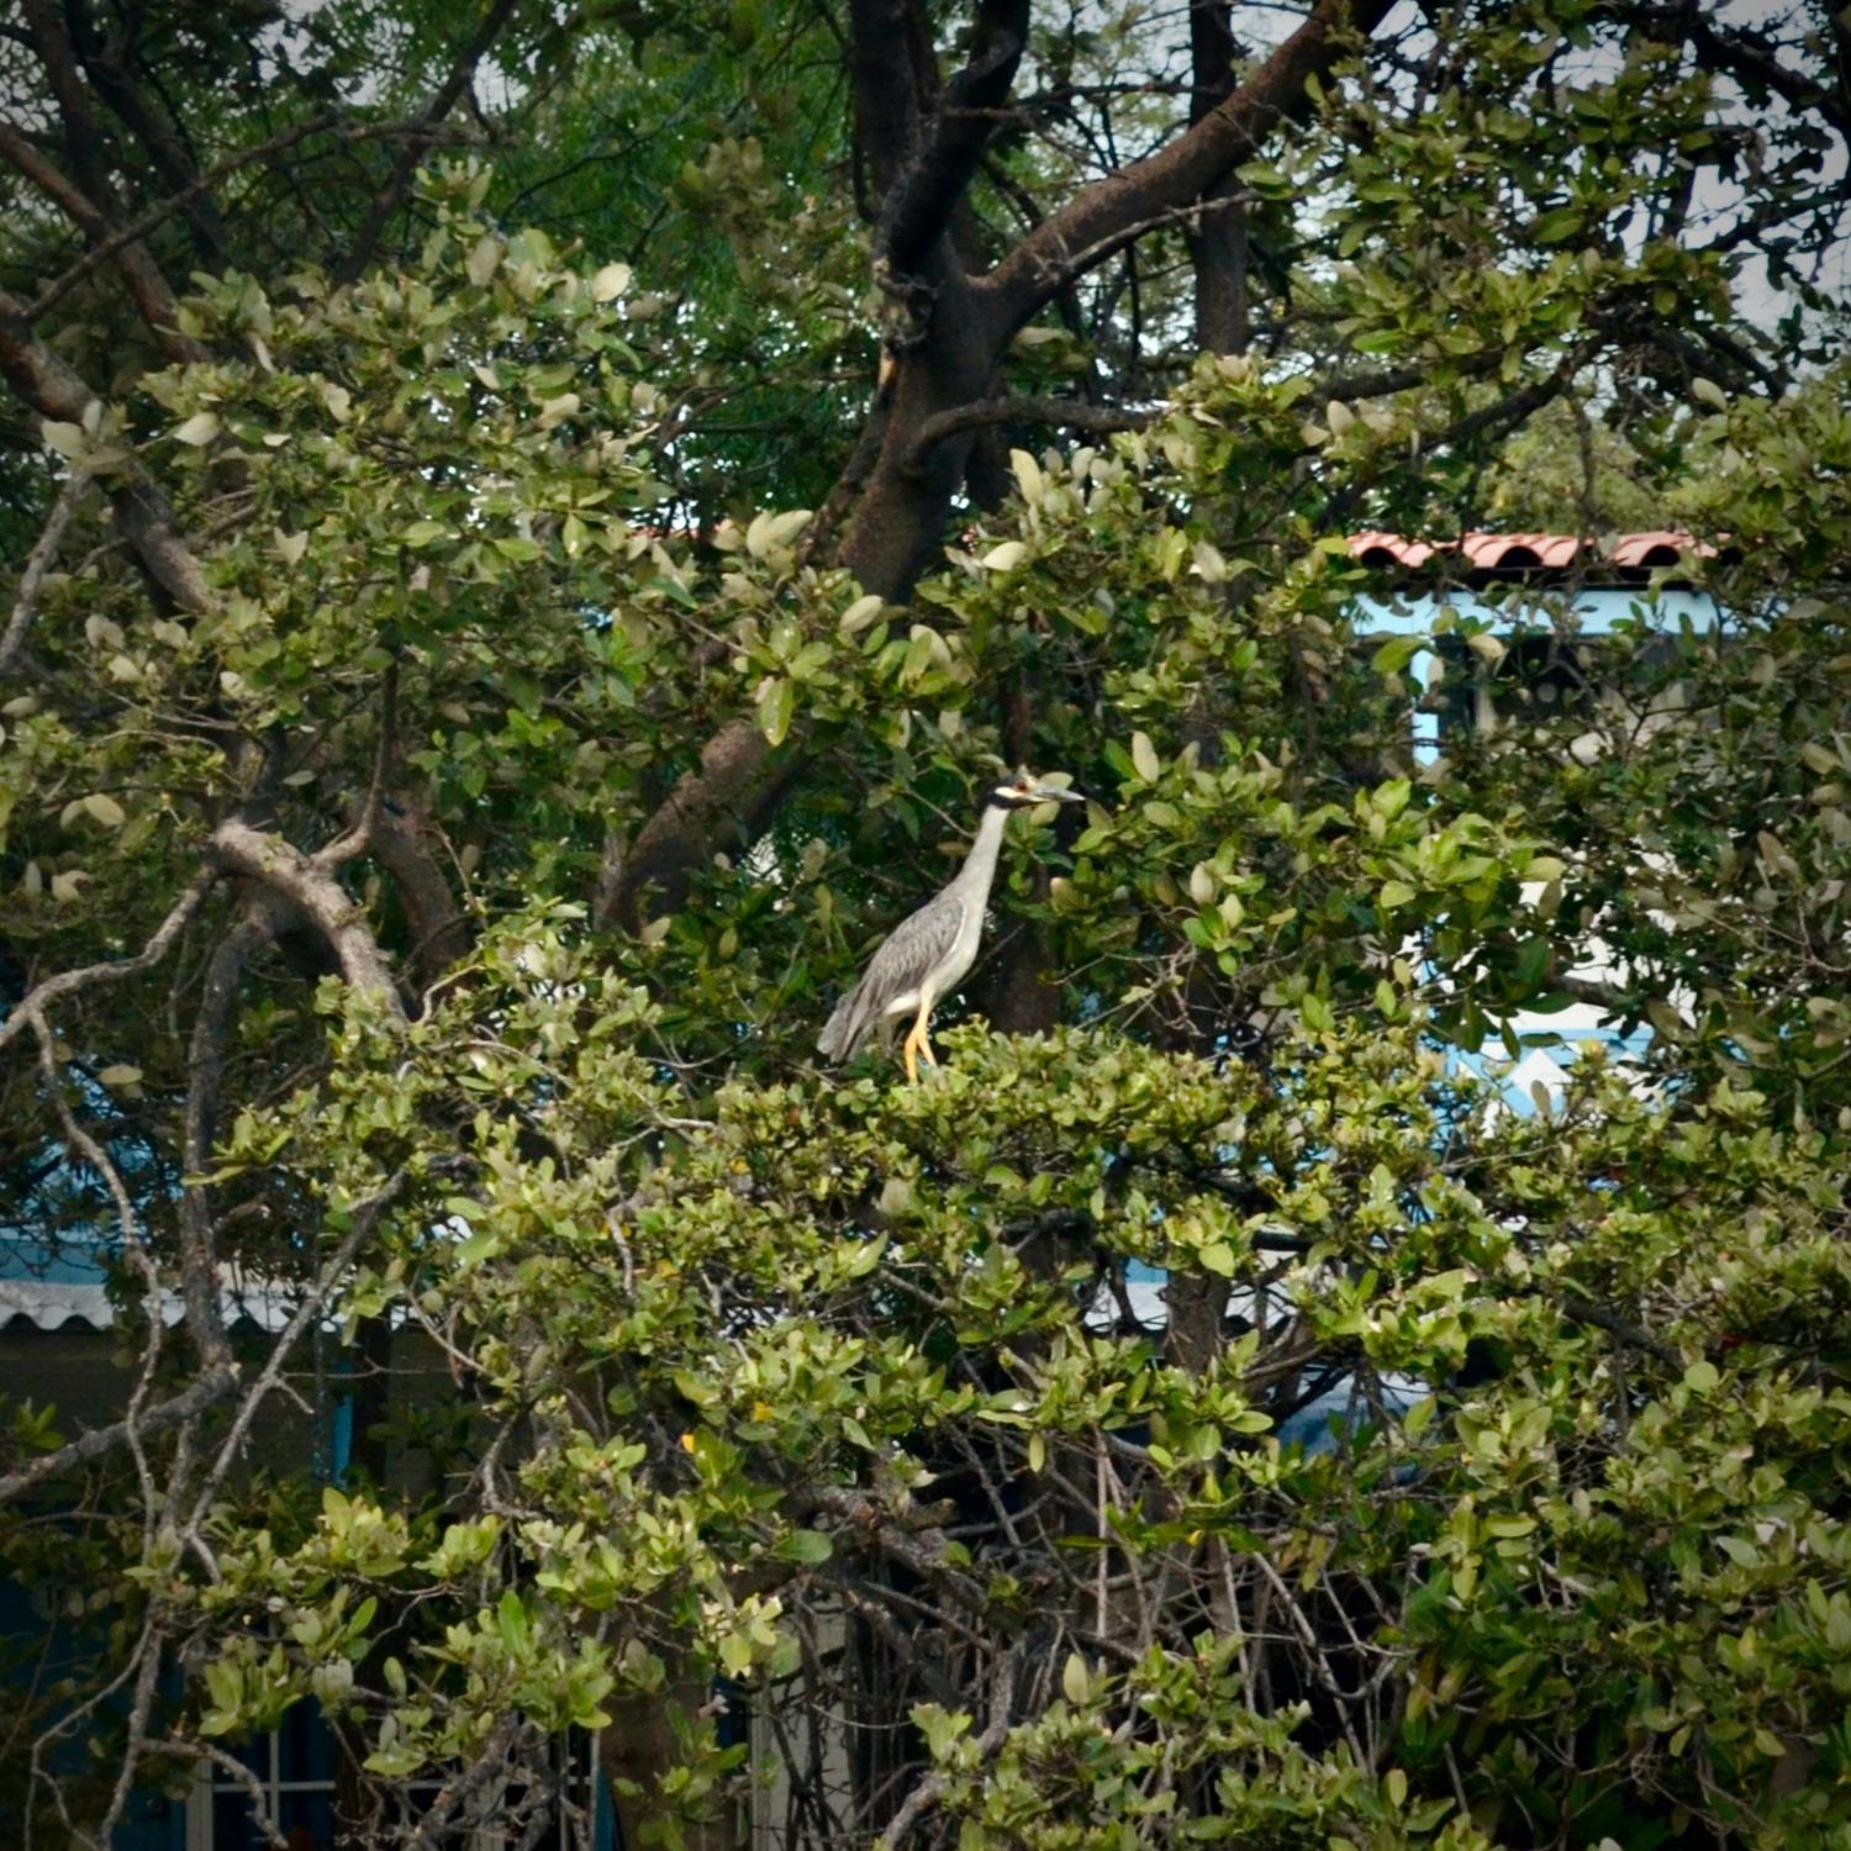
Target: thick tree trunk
897,530
1218,253
1218,239
946,334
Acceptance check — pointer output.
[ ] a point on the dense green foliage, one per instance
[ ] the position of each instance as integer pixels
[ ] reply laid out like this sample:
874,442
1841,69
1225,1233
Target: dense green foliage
830,1394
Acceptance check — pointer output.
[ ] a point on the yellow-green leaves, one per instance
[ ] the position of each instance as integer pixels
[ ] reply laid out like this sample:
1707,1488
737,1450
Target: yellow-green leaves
610,282
776,703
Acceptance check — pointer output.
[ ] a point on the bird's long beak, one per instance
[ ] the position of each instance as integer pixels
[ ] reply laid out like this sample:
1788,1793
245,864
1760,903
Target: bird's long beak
1055,793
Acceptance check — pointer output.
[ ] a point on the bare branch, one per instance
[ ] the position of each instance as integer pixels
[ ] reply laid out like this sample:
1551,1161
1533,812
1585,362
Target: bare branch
1072,413
107,67
895,76
97,211
365,1220
1095,220
206,1391
919,210
31,1008
441,931
357,840
54,390
931,1790
38,563
212,1027
46,382
239,848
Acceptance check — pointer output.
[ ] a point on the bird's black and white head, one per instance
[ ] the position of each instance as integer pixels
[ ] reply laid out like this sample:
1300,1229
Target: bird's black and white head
1025,790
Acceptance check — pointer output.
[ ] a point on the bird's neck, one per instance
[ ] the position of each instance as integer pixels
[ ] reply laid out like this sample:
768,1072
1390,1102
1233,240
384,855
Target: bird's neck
980,864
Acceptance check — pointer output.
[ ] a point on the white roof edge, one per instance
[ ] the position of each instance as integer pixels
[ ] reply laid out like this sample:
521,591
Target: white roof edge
53,1305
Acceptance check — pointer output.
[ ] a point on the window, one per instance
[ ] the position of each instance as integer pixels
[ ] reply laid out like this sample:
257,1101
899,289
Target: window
295,1767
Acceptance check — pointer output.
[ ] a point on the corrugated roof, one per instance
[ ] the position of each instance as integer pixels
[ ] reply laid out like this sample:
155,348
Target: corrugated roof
1534,552
51,1304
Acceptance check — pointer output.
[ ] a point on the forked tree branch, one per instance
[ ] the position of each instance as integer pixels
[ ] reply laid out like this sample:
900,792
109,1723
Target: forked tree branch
92,202
309,884
1095,220
919,210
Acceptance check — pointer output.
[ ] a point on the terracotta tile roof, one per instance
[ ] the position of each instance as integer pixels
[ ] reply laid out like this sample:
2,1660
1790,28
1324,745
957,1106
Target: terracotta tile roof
1532,552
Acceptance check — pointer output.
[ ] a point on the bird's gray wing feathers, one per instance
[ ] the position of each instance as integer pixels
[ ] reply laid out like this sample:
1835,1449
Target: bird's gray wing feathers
917,947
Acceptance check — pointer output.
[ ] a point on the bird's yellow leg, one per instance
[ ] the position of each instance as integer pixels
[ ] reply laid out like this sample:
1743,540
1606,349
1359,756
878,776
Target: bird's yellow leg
917,1043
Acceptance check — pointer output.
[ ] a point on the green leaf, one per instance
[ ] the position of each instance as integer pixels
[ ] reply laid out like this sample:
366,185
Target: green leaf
776,702
809,1547
1394,655
1217,1257
512,1624
1558,224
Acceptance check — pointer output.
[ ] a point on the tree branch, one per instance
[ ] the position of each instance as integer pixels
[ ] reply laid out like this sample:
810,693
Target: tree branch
925,1551
55,390
357,840
96,211
32,1006
724,802
895,77
109,76
207,1391
365,1219
919,210
1072,413
441,932
39,562
931,1790
1095,221
307,883
205,1066
1749,56
442,102
1218,240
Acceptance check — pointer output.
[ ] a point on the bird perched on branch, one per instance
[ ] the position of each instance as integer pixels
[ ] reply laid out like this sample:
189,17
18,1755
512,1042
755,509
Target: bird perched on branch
929,952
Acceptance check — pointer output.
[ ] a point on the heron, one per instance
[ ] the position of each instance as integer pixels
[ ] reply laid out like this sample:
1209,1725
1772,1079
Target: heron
928,953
